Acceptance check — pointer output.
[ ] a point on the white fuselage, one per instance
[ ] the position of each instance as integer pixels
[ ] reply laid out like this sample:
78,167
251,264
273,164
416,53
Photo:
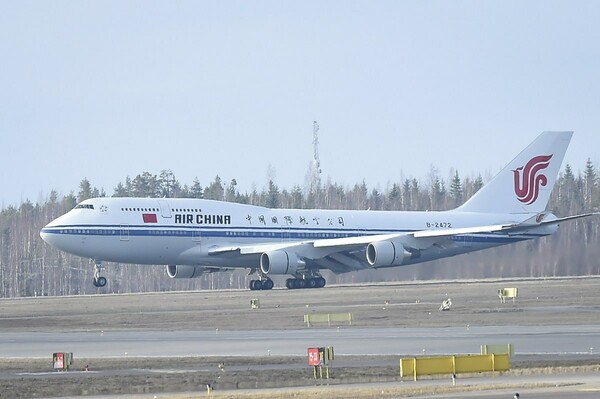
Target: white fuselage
183,231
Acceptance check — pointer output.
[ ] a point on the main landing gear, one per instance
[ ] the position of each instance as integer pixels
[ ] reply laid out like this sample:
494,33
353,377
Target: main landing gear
306,279
99,281
309,282
310,278
263,284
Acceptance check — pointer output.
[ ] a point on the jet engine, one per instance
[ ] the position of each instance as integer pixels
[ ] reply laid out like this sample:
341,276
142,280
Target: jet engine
279,262
184,271
386,253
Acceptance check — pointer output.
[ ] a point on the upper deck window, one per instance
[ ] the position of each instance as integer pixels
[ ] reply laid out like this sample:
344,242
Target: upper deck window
84,206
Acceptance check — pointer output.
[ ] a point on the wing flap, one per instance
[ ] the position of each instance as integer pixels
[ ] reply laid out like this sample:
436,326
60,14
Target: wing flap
355,241
255,248
462,230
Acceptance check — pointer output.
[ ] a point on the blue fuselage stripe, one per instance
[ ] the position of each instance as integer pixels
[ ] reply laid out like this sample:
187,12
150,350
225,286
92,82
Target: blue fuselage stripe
233,232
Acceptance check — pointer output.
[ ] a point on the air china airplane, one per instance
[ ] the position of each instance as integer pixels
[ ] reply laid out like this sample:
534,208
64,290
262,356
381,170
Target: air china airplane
196,236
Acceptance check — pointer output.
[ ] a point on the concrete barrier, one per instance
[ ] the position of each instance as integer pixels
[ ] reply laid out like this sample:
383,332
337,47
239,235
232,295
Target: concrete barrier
328,318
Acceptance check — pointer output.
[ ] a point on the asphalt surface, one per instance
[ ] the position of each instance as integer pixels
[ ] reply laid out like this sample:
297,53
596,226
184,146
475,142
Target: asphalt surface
553,323
541,340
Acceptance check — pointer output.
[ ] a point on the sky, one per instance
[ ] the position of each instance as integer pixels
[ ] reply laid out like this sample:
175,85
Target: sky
102,90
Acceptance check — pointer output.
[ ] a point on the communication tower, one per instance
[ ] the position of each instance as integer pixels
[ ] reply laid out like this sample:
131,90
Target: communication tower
315,165
316,147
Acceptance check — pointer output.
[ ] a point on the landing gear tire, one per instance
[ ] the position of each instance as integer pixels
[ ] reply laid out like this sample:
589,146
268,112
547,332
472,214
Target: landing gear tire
256,285
320,282
312,282
267,284
100,282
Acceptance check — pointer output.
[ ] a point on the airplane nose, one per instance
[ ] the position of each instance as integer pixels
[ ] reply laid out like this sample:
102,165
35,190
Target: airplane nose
50,235
59,237
47,236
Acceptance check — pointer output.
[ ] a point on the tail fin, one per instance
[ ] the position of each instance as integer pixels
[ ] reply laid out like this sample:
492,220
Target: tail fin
524,185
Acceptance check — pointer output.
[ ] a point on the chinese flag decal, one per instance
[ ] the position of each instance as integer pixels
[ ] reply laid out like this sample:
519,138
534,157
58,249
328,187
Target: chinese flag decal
149,218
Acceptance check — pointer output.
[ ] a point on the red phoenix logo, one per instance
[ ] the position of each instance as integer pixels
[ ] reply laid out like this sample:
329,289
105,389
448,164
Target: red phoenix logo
527,185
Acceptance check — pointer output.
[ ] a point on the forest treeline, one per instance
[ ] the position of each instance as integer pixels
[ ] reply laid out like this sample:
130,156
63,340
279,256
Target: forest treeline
29,267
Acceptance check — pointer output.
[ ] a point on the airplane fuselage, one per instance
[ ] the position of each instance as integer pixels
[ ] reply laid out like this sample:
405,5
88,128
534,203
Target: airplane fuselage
183,231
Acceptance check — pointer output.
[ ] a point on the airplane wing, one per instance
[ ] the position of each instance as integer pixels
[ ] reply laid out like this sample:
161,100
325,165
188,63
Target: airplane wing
348,253
346,242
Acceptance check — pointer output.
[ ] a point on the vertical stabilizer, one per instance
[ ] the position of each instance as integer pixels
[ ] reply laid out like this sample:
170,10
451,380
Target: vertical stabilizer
524,185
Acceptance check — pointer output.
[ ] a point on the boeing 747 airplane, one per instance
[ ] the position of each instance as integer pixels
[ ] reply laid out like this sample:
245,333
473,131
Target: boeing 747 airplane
195,236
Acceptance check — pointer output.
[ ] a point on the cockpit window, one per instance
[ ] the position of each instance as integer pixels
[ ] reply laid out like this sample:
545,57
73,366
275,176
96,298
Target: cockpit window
84,206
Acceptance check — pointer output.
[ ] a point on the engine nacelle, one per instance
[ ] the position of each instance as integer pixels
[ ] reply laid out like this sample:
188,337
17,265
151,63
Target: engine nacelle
184,271
386,253
279,262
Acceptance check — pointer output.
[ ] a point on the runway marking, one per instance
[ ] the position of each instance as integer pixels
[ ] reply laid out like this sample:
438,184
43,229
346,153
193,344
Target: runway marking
57,372
174,371
589,390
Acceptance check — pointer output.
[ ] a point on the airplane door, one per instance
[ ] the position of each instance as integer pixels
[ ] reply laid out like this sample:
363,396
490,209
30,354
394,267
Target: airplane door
197,236
124,236
165,209
285,233
468,241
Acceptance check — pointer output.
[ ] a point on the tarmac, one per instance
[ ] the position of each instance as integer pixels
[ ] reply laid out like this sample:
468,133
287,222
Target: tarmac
171,343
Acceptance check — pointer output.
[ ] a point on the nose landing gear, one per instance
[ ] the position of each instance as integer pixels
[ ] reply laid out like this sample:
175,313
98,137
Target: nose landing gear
99,281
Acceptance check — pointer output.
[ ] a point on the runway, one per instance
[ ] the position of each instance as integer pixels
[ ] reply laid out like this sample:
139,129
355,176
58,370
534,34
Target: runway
347,340
172,342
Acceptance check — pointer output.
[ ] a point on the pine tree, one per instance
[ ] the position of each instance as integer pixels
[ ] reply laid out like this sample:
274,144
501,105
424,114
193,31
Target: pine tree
272,200
590,186
438,191
215,190
407,196
395,198
296,197
231,194
167,185
85,190
146,185
456,190
196,190
477,184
